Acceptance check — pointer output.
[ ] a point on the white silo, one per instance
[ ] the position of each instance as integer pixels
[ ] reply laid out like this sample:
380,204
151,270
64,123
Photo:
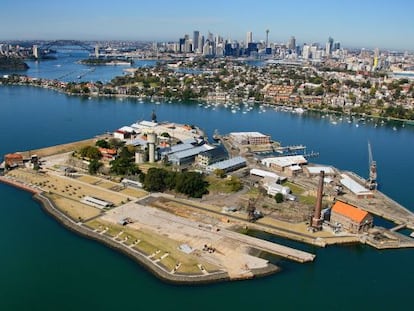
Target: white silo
151,139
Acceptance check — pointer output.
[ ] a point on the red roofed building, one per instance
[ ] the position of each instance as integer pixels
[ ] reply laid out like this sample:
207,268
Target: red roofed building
109,154
350,218
13,159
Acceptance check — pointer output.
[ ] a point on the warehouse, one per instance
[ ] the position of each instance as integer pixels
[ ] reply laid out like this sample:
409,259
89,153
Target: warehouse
187,157
360,191
206,158
263,173
250,138
227,165
290,165
315,170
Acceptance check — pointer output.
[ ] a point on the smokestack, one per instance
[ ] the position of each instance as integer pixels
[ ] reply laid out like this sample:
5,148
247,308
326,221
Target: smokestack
316,220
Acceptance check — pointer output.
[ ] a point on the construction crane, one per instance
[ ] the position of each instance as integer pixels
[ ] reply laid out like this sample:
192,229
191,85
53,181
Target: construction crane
372,179
252,213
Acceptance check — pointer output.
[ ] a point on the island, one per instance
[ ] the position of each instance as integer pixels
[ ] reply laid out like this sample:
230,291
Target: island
106,61
12,63
192,211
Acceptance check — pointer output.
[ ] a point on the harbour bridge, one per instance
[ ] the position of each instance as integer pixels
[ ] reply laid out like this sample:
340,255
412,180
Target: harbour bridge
68,45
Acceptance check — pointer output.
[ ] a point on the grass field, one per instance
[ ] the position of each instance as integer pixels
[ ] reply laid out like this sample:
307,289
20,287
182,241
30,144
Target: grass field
151,242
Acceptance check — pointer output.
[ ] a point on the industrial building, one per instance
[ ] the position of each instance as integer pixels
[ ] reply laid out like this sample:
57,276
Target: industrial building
264,174
227,165
290,165
206,158
96,202
350,218
360,191
187,157
315,170
250,138
13,160
272,187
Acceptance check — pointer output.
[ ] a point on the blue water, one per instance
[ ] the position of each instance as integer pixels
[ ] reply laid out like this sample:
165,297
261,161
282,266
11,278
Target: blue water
45,267
66,67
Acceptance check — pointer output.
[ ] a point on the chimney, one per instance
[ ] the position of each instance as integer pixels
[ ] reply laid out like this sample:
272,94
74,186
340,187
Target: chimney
317,220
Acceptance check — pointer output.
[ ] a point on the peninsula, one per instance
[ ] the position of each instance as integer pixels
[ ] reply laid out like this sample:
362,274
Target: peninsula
188,210
12,63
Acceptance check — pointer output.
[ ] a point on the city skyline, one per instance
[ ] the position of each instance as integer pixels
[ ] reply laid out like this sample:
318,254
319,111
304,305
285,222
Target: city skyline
370,24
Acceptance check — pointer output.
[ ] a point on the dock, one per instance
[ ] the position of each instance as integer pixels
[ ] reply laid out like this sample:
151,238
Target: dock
272,248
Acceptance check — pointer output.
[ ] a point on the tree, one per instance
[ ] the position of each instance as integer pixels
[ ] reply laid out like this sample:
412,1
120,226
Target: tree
94,166
234,183
115,143
279,197
124,166
219,173
154,180
90,152
102,143
191,184
127,152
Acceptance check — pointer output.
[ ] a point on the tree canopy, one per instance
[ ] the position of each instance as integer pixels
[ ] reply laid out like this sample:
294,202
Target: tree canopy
189,183
90,152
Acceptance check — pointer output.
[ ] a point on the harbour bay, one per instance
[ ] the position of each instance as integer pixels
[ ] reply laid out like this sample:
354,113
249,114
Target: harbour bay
48,265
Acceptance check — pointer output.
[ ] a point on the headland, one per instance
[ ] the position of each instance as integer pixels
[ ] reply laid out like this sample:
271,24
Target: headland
182,239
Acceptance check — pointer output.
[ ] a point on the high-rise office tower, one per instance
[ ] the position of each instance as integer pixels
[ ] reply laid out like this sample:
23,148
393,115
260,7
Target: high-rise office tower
331,42
327,49
306,51
196,38
249,37
292,43
267,38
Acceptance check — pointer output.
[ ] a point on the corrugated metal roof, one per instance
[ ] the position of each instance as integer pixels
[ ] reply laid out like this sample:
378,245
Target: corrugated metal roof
190,152
285,161
222,165
317,169
138,142
263,173
248,134
352,185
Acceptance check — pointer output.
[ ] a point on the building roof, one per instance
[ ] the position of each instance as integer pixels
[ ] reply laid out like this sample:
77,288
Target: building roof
285,161
190,152
354,213
138,142
317,169
248,134
263,173
14,156
215,153
126,129
226,164
352,185
107,151
148,123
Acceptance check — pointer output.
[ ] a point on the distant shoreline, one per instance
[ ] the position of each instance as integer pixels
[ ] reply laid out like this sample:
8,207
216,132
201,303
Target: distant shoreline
204,100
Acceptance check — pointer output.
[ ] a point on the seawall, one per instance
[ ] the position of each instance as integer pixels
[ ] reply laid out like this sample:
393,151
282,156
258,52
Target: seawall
78,228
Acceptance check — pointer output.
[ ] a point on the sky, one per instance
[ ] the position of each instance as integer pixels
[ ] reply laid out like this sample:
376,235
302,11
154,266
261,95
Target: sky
354,23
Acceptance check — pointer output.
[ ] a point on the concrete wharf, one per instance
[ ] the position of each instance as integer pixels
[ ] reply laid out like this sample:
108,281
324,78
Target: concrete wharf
272,248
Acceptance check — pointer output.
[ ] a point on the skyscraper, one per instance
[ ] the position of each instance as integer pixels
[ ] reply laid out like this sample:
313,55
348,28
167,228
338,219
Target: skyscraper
305,51
196,38
249,38
292,43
